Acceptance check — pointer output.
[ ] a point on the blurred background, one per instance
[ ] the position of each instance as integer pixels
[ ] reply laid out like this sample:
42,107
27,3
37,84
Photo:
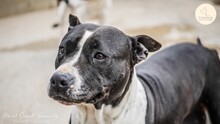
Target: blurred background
28,47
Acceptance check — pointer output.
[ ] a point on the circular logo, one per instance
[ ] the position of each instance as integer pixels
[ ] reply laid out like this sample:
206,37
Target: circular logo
205,14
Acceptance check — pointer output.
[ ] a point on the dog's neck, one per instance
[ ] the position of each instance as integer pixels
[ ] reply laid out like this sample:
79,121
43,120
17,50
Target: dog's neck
131,109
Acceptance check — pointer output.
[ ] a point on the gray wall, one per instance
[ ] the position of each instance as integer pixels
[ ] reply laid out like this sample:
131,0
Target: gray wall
11,7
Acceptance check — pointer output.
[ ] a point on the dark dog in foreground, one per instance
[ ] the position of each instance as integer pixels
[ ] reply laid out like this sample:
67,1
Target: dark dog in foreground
97,70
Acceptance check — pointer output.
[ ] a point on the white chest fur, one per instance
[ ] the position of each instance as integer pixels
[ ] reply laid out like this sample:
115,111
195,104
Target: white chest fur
131,110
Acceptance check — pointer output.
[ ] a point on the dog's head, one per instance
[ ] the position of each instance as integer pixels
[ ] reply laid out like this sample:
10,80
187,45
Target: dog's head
94,63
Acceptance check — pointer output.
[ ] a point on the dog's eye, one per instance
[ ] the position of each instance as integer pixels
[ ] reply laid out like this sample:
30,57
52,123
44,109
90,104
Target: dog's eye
61,51
99,56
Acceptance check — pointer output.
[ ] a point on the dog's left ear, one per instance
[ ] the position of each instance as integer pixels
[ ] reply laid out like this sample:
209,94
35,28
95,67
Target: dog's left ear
141,45
73,21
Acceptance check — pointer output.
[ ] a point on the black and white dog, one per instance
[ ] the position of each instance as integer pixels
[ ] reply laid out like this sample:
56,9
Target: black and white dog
84,9
97,71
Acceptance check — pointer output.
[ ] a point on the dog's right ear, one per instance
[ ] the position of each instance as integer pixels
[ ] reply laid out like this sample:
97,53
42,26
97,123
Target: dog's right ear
73,21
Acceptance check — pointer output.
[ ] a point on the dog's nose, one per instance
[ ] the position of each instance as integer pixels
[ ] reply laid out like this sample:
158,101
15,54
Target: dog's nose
60,79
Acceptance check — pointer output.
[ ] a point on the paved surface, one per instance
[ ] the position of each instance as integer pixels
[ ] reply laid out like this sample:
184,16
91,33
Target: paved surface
28,47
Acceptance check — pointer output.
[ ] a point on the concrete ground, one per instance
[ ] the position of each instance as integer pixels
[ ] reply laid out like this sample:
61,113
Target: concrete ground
28,47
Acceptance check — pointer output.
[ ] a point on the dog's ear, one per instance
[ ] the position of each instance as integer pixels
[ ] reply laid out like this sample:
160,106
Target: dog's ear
73,21
141,45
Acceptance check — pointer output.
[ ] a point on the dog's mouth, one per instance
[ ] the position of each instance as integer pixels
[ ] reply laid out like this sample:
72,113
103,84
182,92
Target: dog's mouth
89,98
65,102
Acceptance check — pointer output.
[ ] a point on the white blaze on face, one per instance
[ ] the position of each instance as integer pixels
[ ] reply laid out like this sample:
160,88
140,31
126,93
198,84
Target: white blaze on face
80,45
69,67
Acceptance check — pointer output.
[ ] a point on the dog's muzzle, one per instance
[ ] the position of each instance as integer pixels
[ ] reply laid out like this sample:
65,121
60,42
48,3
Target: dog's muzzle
60,85
62,89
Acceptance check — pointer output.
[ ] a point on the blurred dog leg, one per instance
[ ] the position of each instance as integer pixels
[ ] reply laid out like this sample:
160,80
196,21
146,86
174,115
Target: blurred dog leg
62,8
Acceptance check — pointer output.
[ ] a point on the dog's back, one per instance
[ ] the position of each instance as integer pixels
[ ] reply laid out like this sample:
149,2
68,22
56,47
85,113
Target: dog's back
190,74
